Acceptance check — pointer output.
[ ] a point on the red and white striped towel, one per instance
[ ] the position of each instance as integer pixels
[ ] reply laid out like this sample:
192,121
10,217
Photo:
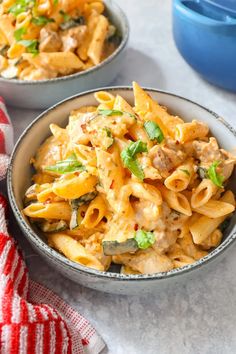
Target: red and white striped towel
33,319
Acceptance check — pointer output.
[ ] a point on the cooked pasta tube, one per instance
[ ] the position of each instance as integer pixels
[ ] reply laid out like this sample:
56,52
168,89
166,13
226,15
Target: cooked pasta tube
61,62
139,190
73,250
72,186
204,227
215,209
154,112
96,211
189,131
59,210
99,35
203,193
212,240
176,201
105,97
178,257
7,29
189,248
180,178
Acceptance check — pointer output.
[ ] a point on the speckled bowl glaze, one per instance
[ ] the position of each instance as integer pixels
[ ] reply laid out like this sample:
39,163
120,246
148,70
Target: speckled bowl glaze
19,179
45,93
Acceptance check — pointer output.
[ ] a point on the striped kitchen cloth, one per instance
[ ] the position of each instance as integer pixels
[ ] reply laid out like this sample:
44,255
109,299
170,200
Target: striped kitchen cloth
33,319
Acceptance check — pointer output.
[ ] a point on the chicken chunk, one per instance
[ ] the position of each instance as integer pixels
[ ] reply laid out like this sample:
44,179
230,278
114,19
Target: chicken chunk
72,37
49,41
207,152
146,262
167,157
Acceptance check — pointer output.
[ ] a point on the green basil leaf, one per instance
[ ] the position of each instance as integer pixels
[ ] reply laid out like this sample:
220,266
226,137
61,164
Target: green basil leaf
144,239
31,45
21,6
154,131
41,20
132,164
128,156
19,33
214,176
114,112
135,148
185,171
110,112
71,164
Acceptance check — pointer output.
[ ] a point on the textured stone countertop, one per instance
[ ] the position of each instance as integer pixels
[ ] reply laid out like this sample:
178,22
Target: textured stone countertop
200,316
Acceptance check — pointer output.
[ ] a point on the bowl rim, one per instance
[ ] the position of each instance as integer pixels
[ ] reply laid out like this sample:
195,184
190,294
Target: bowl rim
115,8
62,260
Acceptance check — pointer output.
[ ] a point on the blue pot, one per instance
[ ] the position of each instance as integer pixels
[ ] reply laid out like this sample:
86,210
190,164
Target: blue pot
205,34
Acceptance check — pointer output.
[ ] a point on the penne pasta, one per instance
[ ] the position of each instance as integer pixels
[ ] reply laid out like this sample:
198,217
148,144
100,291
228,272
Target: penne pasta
205,226
189,131
117,186
99,36
73,250
203,193
55,38
180,178
215,209
51,211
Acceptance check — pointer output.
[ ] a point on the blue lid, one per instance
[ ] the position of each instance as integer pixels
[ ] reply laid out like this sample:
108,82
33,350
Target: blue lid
222,5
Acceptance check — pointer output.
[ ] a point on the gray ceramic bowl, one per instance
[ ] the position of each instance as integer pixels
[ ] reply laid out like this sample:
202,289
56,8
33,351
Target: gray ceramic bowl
19,179
45,93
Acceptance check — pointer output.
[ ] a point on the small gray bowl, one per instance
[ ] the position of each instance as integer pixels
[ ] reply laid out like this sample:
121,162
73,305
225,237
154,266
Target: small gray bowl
45,93
19,179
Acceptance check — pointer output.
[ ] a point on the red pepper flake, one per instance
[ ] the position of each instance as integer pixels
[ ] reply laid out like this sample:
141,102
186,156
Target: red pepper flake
82,214
112,184
76,173
136,227
83,127
84,341
48,201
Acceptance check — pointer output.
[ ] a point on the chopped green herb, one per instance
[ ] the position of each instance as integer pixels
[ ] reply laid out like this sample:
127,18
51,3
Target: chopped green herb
106,136
31,45
21,6
214,176
110,112
65,16
55,2
19,33
185,171
132,164
144,239
71,164
41,20
114,112
128,156
154,131
135,148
